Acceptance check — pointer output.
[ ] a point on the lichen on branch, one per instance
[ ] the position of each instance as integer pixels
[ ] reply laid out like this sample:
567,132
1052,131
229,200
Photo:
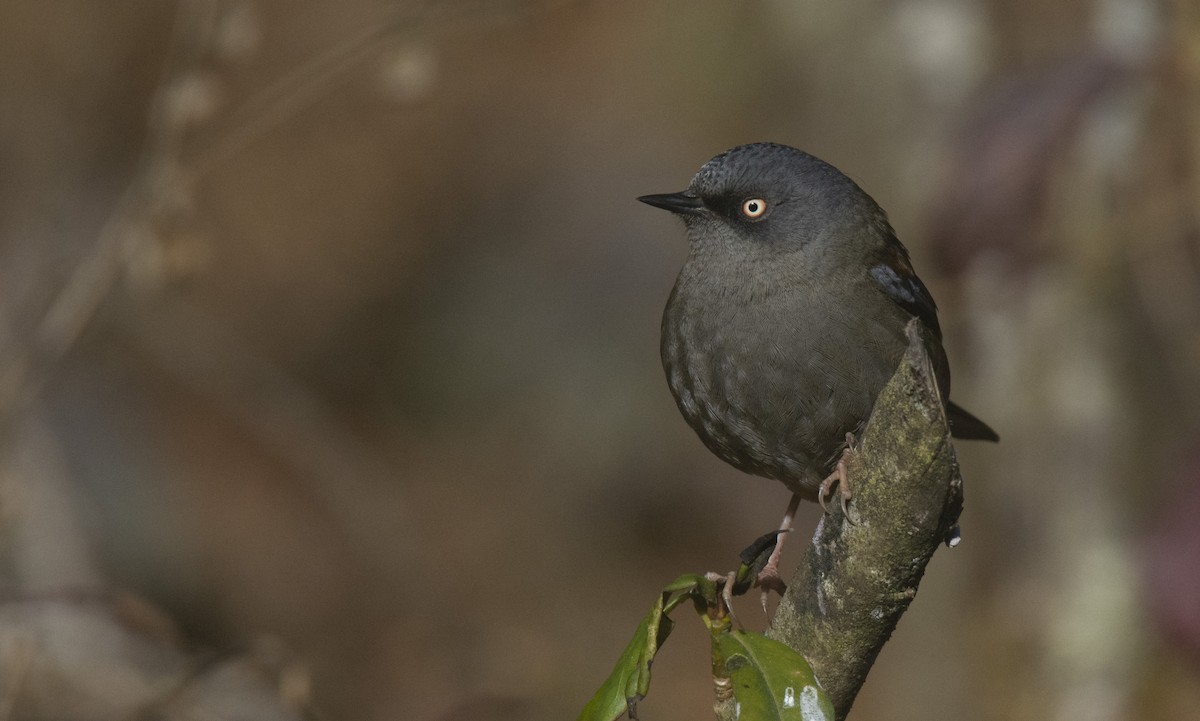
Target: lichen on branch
858,578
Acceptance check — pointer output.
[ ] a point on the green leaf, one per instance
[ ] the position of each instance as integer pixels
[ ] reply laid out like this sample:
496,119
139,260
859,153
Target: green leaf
695,586
630,679
686,583
771,682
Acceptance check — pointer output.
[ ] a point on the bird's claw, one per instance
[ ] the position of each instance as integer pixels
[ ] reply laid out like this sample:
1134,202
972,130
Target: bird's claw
769,580
839,479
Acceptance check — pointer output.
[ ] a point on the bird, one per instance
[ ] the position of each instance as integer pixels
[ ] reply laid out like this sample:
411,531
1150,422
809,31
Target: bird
788,318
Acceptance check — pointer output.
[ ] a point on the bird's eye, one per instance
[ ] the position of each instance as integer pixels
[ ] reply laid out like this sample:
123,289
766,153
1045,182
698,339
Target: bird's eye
754,208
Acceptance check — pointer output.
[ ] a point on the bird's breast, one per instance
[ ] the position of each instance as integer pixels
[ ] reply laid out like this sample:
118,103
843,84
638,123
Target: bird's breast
741,387
771,381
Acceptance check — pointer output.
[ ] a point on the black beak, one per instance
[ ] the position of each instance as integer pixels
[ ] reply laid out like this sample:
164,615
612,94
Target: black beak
684,203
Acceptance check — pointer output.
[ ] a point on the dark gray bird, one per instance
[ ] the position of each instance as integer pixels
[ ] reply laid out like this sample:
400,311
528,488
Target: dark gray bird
788,317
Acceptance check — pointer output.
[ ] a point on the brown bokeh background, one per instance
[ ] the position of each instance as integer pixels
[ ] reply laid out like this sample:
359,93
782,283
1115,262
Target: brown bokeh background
328,345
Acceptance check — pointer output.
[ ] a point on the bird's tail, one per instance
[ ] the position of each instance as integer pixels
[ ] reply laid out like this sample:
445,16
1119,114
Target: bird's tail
966,426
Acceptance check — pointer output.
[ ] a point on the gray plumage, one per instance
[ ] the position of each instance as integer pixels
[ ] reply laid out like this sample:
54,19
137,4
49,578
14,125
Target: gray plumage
782,329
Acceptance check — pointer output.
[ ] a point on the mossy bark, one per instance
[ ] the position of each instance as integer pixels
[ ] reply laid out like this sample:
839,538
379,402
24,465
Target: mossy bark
858,578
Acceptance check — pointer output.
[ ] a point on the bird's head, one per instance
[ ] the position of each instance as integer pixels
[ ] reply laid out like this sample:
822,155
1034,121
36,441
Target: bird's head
775,198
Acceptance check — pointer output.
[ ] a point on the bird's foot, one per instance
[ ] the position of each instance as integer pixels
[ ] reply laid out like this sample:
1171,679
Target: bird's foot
726,582
840,478
768,578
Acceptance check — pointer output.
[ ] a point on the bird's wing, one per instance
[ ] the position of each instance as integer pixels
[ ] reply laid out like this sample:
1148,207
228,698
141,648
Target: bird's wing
895,276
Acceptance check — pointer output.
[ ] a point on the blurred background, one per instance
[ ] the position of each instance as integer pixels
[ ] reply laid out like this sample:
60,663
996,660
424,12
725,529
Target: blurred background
329,374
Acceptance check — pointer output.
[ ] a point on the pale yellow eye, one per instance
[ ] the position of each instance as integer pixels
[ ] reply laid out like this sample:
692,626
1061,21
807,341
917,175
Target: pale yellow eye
753,208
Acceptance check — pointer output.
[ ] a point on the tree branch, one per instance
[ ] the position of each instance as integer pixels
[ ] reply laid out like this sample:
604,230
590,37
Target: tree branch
858,578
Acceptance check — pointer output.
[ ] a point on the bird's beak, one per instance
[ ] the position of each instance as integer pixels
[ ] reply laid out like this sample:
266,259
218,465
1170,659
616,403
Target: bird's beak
684,203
